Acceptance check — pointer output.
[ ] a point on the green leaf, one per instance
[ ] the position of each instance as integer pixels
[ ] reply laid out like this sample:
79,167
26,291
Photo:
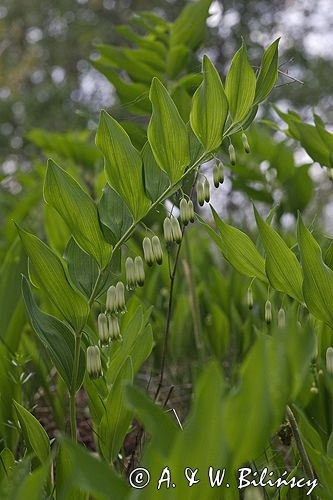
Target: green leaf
178,57
137,343
240,85
55,336
209,108
92,475
74,146
114,214
63,468
82,268
34,434
282,267
153,417
11,319
33,486
51,276
240,250
167,133
318,277
189,29
78,211
7,463
123,165
117,418
156,181
268,72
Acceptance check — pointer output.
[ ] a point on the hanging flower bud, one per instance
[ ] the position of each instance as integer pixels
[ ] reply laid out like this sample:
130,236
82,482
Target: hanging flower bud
184,219
190,210
250,298
245,143
167,230
111,301
130,274
329,360
114,328
232,154
148,251
157,249
103,329
200,194
94,364
120,297
314,389
216,175
176,231
268,312
139,271
221,172
281,318
206,190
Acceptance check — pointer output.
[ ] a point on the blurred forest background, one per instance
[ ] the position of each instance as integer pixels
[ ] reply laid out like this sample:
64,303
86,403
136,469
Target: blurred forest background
48,82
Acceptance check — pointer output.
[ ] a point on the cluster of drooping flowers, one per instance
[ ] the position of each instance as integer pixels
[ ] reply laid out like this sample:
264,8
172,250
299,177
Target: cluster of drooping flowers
94,363
135,272
186,210
172,230
203,192
218,173
108,326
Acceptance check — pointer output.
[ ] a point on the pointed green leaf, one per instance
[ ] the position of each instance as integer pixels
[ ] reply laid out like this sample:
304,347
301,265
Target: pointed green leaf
209,108
78,210
318,277
167,133
156,181
114,214
123,165
268,72
55,336
137,344
240,250
90,474
34,434
282,267
117,417
190,26
49,272
240,86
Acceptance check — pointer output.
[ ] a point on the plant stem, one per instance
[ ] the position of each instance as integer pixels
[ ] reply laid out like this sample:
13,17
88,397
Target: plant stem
72,395
299,443
168,321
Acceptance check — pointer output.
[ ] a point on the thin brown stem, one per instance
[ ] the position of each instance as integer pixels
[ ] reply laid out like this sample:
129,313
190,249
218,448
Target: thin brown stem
170,304
299,443
168,322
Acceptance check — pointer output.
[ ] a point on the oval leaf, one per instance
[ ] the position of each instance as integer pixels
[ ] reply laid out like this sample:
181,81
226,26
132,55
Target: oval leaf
55,336
51,277
240,85
318,278
78,210
123,165
167,133
240,250
282,267
34,434
209,108
117,418
268,72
